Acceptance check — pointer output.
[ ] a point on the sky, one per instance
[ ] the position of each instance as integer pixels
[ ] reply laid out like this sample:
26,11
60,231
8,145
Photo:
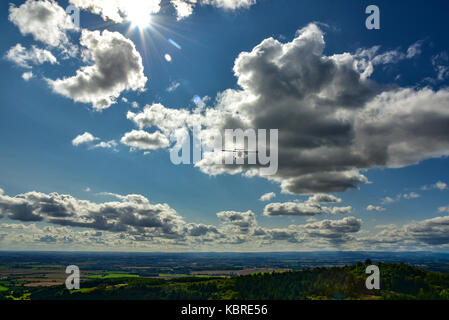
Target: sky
91,108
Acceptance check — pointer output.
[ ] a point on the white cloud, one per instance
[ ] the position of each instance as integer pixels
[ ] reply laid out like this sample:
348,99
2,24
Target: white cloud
433,231
341,210
117,66
142,140
27,75
46,21
443,209
184,8
128,10
323,198
25,57
337,231
120,10
230,4
441,186
268,196
334,122
414,50
135,219
368,58
84,138
294,209
440,63
245,222
302,209
133,214
112,144
399,197
411,195
388,200
173,86
375,208
89,139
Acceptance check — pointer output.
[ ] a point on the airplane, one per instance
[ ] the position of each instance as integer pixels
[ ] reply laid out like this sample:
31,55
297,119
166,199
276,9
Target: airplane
240,153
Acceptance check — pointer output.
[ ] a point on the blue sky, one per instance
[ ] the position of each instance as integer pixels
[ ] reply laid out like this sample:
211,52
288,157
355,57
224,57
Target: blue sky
38,126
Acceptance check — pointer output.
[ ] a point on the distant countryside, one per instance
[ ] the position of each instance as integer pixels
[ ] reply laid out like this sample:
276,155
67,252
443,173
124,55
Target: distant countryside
224,276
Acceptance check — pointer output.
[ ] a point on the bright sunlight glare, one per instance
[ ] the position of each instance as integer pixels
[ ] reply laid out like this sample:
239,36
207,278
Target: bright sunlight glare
139,18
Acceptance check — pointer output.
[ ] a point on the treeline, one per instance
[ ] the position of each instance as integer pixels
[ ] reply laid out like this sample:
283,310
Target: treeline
398,281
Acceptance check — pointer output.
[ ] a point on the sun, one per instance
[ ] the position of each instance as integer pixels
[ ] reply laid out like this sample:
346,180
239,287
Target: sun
139,18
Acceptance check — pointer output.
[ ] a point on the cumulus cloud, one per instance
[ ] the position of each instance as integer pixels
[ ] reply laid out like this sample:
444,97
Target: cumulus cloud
184,8
443,209
112,144
399,197
84,138
135,219
133,214
26,57
375,208
294,209
230,4
46,21
142,140
128,10
243,227
341,210
116,67
428,234
302,209
27,75
245,222
411,195
337,231
268,196
432,231
120,10
389,200
324,198
440,185
333,120
93,142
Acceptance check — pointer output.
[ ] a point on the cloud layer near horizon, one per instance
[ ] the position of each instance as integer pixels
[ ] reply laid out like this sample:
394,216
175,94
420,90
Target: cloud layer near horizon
134,217
134,221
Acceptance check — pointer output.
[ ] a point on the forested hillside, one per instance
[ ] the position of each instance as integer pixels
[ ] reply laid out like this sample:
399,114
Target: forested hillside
398,281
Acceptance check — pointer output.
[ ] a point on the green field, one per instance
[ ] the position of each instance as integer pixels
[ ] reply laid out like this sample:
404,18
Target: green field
2,288
112,276
174,275
82,290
